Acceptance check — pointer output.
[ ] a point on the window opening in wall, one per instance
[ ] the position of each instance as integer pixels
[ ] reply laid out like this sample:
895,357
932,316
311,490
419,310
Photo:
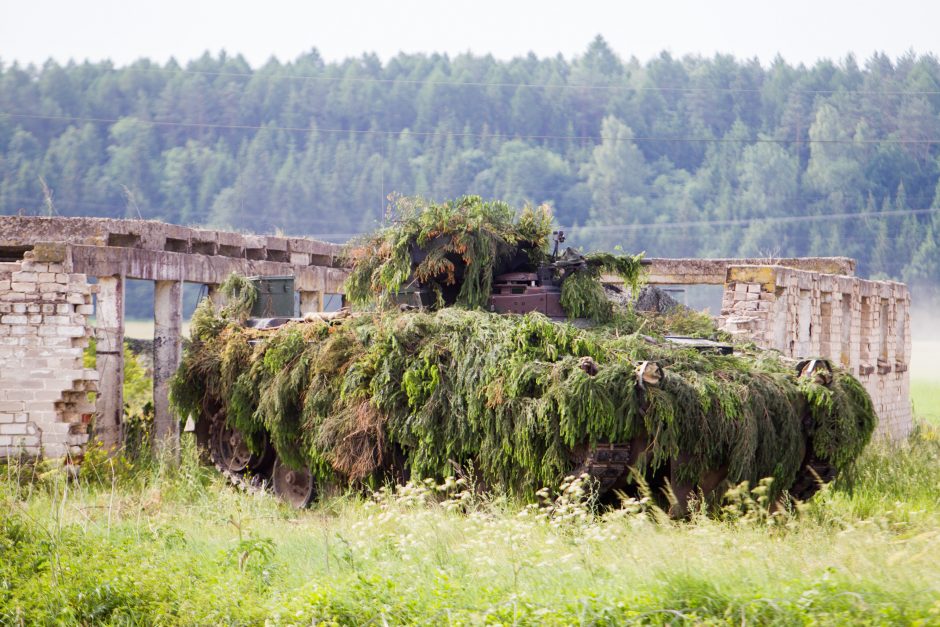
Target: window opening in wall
174,245
865,357
697,297
825,325
124,240
883,335
805,324
900,336
780,320
846,325
884,367
193,293
677,293
13,253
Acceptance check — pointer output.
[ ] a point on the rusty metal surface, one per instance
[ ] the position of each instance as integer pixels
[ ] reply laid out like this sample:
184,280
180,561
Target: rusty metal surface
520,292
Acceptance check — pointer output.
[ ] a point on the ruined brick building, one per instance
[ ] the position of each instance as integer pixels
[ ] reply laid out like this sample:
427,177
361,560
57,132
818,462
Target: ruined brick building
46,298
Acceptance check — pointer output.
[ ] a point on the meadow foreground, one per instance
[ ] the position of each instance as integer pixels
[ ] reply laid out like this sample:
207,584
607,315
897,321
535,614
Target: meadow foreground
143,544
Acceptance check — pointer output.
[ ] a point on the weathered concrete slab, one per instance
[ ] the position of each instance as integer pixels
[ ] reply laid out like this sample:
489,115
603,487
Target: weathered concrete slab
156,265
661,271
19,231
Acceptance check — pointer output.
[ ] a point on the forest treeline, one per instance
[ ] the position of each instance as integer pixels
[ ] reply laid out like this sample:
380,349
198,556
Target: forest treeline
675,156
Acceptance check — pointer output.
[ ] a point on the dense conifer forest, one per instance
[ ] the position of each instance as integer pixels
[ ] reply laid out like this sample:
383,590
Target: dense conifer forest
674,156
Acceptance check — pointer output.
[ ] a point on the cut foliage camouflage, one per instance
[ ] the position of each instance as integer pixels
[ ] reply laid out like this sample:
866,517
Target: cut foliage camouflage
464,358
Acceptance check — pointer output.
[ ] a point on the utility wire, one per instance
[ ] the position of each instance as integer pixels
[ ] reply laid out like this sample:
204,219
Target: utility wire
454,134
749,221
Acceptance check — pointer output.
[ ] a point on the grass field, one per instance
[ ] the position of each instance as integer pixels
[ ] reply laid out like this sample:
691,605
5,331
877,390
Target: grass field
146,545
925,379
925,396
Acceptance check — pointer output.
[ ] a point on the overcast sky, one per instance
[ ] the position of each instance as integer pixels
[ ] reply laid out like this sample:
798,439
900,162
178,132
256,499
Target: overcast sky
31,31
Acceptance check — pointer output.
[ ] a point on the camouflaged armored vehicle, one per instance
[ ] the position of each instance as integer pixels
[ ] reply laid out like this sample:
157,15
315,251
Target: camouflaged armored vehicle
476,349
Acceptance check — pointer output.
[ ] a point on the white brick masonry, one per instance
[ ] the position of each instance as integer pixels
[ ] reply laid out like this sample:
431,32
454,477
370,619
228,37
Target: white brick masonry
44,404
864,326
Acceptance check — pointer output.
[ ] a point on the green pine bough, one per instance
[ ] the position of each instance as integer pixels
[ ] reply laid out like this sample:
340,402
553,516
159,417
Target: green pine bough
583,294
460,245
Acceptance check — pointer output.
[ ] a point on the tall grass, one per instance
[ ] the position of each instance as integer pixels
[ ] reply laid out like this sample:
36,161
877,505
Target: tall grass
146,544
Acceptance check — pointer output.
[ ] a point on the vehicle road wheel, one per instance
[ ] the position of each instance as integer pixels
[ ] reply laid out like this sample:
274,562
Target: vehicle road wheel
229,449
297,487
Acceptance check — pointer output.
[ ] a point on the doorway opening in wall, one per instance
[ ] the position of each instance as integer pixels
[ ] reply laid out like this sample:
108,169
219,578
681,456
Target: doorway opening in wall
804,323
846,322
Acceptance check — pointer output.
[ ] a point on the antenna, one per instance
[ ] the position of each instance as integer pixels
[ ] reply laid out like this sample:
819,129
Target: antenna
559,237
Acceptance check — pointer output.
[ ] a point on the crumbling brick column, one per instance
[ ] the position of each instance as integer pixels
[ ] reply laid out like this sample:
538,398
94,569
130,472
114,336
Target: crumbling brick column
44,388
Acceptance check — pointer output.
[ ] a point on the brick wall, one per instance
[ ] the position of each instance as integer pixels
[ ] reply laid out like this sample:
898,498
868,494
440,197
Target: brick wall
864,326
44,407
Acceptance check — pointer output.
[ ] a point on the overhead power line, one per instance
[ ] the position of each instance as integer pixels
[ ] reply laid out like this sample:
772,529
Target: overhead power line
760,220
462,134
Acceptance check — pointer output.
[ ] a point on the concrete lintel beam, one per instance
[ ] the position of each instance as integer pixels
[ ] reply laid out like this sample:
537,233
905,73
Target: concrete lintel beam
661,271
156,265
276,242
161,236
300,259
146,234
314,247
254,241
